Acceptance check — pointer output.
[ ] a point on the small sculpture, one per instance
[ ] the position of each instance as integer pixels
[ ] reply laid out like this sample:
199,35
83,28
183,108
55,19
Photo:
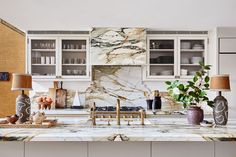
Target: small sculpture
12,119
38,117
44,103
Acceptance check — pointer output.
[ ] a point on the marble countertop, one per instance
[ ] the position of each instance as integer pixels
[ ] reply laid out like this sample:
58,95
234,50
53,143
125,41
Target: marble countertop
155,129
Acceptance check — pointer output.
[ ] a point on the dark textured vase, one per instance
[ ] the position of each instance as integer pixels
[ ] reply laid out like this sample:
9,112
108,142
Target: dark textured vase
149,104
220,110
195,115
23,108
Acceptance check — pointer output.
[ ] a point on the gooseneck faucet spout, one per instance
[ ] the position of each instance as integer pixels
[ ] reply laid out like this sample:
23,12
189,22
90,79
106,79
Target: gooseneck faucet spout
118,111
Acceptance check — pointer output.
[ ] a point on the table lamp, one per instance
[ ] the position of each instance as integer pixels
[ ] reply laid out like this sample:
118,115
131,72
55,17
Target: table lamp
22,82
220,110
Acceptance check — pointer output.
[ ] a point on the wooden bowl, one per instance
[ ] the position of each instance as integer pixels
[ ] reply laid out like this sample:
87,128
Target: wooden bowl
12,119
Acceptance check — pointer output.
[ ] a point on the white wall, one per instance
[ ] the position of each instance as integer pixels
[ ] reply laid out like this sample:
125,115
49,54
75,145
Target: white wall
83,14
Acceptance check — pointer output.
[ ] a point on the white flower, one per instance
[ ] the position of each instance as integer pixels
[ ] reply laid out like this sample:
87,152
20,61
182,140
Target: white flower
176,91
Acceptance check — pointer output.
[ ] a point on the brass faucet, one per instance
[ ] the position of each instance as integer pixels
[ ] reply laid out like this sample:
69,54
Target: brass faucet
94,114
118,111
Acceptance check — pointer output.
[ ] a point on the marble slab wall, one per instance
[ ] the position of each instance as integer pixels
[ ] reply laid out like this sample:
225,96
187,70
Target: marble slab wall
118,46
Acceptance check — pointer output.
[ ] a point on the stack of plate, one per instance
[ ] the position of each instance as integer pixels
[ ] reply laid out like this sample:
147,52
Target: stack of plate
166,72
196,60
197,47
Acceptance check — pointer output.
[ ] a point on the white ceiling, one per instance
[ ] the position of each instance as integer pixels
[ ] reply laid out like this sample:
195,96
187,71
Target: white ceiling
83,14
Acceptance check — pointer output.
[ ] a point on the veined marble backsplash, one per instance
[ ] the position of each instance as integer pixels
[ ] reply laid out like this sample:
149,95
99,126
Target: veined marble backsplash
109,83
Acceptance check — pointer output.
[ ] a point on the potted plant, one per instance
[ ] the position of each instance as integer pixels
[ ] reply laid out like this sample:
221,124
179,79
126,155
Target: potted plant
192,94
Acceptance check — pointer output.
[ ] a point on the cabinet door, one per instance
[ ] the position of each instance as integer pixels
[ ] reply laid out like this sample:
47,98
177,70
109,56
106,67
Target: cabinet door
225,149
119,149
183,149
42,57
11,149
191,51
227,45
57,149
74,57
161,57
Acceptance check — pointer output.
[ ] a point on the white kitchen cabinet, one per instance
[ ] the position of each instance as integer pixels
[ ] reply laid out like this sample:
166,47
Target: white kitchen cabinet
119,149
183,149
57,149
225,149
58,57
12,149
227,45
174,56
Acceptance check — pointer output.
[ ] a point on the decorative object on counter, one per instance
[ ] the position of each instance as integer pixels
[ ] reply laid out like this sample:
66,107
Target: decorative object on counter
4,76
157,100
192,94
149,96
12,119
76,102
22,82
44,103
38,117
220,110
61,97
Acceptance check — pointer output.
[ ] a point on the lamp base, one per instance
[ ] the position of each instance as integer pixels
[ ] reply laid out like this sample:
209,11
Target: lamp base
23,108
220,110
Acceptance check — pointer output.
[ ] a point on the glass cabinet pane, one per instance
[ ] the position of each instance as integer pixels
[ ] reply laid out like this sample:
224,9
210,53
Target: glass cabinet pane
74,57
43,57
161,57
191,53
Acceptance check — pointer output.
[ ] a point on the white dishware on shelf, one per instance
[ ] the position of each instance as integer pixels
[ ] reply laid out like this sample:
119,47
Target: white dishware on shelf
197,47
42,60
75,72
166,72
83,47
196,60
52,60
184,60
185,45
192,72
68,72
184,72
47,60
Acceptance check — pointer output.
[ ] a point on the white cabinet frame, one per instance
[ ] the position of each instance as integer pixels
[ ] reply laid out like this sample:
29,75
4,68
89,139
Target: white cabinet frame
58,50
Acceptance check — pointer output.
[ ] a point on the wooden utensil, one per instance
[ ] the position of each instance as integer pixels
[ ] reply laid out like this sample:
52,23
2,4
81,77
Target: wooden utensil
61,97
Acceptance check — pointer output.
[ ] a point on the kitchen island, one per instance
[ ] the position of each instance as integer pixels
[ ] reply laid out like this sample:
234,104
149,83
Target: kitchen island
77,137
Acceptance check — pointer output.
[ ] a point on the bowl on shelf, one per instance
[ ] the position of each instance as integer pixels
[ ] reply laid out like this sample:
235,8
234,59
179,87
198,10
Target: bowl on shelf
183,72
197,47
184,60
166,72
196,60
192,72
185,45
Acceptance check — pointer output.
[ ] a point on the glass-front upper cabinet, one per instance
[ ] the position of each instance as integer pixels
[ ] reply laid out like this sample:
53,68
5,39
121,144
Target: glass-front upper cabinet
58,57
43,57
192,50
174,56
74,57
161,57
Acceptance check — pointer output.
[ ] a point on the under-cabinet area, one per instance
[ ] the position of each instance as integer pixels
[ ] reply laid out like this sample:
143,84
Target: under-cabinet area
117,149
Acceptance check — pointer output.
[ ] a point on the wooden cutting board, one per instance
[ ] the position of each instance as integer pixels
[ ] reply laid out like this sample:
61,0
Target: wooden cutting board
61,97
52,94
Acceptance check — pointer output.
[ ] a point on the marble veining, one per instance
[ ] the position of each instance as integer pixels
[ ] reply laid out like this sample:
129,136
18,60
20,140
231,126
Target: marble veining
118,46
165,129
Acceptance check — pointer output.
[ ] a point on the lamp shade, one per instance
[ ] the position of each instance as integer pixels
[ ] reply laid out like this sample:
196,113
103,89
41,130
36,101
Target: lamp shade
21,82
220,83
